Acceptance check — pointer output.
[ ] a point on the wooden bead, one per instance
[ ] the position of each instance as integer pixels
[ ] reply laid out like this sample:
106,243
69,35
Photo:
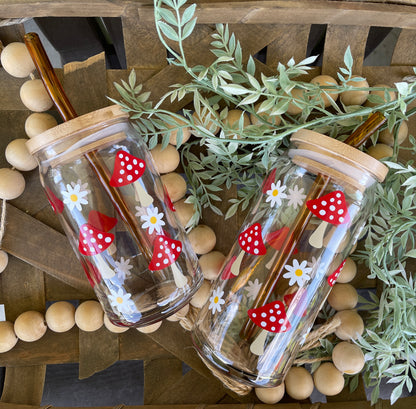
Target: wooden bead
8,338
186,132
113,328
386,137
16,60
298,94
179,315
273,119
299,383
381,94
175,185
232,121
30,326
271,395
202,239
355,97
380,151
348,272
148,329
211,264
348,358
202,295
12,184
184,211
166,160
343,297
206,120
352,325
326,81
18,155
328,379
39,122
34,96
89,316
4,260
60,316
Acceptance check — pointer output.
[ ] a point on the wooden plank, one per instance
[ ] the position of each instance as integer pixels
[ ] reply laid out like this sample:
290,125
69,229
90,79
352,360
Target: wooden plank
405,50
191,388
24,385
294,34
45,249
337,39
158,375
63,348
97,351
84,83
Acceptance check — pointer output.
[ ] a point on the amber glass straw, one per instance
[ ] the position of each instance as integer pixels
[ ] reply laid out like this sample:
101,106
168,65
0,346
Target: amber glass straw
357,138
67,112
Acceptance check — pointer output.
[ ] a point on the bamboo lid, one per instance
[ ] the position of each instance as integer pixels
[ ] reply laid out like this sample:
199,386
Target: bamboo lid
338,150
84,122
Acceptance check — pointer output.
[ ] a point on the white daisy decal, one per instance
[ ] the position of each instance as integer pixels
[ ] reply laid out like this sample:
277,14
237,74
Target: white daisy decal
74,196
275,194
121,301
253,288
297,273
216,300
296,197
123,268
152,220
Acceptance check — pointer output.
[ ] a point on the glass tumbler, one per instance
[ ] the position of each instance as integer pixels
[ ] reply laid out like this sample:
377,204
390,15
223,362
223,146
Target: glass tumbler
291,248
102,183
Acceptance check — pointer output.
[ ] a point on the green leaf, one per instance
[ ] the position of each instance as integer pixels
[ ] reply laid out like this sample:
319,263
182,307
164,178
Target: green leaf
168,16
348,60
251,99
168,31
411,253
132,79
234,89
251,66
396,393
188,14
189,27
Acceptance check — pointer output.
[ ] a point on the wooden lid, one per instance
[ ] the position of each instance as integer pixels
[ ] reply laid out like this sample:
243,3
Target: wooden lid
338,150
81,123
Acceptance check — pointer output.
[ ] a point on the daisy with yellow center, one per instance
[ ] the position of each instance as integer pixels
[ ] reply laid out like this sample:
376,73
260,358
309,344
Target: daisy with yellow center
275,194
297,273
152,220
121,301
74,196
216,300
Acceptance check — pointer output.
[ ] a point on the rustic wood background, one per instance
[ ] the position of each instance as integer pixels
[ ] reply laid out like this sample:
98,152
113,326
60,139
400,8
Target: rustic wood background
42,266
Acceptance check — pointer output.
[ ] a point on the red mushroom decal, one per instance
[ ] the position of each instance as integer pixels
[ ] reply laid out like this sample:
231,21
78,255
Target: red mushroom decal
129,169
250,241
276,240
56,203
268,181
270,318
331,208
333,277
103,222
92,242
165,253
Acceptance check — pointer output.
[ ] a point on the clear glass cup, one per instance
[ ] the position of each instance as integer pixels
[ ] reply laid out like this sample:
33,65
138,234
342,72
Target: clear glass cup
289,251
102,183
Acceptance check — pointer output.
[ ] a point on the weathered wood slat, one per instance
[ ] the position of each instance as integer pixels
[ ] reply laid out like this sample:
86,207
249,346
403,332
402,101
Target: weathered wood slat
24,385
404,51
57,260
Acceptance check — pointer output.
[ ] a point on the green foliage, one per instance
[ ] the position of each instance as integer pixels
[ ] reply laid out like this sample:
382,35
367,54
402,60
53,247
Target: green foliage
240,156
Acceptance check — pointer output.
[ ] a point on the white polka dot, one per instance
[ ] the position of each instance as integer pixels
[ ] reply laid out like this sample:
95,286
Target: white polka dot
324,203
136,172
339,202
157,264
246,235
314,207
331,217
122,171
332,200
85,228
263,314
341,219
159,255
120,155
278,312
100,236
165,261
340,211
338,194
161,247
254,315
178,249
85,241
248,248
332,208
92,249
271,311
141,164
135,161
263,323
243,242
173,245
273,328
284,328
249,239
85,249
100,246
322,212
122,163
166,243
107,239
167,251
120,180
272,319
92,240
256,251
256,233
256,227
281,321
256,243
160,239
129,177
129,167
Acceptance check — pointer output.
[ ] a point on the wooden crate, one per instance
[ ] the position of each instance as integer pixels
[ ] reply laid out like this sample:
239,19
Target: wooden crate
42,265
